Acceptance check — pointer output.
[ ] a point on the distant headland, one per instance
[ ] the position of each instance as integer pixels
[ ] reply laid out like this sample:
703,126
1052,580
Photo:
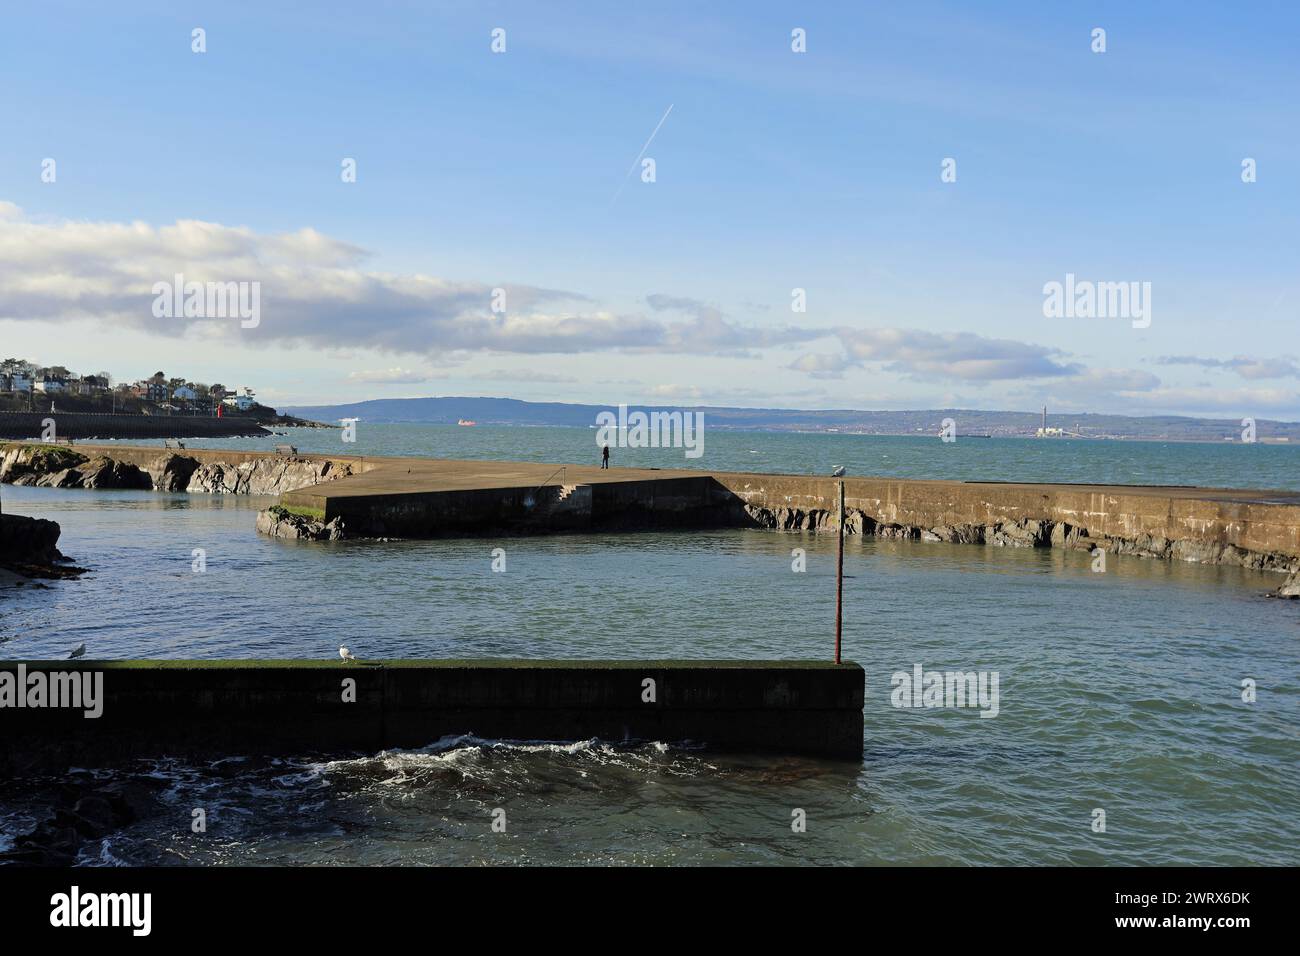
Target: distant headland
450,410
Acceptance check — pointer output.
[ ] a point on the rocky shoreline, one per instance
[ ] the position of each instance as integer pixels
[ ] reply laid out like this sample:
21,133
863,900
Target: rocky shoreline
63,467
82,812
277,522
55,466
1034,533
29,549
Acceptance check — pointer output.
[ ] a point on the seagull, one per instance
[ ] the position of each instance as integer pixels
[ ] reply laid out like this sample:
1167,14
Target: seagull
346,654
838,472
78,651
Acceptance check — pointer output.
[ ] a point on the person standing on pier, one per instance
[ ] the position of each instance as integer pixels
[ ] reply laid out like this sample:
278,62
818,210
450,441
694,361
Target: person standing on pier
604,457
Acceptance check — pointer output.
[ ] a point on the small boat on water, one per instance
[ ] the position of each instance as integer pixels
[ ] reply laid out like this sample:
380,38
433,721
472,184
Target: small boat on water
465,421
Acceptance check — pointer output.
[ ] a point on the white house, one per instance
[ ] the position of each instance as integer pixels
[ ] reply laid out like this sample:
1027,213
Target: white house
243,401
52,386
186,393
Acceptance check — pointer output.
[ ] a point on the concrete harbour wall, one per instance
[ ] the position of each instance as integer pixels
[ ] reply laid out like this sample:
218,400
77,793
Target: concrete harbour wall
79,425
202,708
342,496
1256,529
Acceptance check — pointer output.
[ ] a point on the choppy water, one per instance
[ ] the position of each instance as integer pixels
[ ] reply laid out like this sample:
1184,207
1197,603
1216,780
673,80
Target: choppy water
1119,691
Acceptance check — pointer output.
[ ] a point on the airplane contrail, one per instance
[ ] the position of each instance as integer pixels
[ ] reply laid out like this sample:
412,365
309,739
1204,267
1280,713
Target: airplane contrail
640,154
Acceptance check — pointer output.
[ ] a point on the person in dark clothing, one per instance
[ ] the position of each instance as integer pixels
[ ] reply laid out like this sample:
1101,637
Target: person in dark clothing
604,458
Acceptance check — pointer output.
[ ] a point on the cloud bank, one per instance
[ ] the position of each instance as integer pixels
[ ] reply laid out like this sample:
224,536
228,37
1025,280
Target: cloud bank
316,291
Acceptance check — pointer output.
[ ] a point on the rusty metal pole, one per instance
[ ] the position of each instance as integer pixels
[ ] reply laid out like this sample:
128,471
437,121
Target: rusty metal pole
839,577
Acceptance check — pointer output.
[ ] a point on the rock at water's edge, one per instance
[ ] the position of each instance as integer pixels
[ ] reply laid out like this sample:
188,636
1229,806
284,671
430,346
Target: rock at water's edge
1291,589
104,472
31,540
277,522
29,547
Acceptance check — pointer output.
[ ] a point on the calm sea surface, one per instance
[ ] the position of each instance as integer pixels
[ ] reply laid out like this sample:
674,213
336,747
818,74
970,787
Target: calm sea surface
1119,691
1230,464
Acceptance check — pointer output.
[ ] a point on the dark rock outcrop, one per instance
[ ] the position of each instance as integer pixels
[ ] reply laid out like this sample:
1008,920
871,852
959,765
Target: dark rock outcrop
1030,533
33,461
264,476
29,548
79,817
1026,533
958,534
1291,589
173,472
27,539
53,466
67,478
103,472
278,522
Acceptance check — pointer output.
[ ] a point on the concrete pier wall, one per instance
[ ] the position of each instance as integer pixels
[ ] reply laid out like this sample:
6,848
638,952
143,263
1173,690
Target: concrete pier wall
1259,529
419,497
200,708
1250,528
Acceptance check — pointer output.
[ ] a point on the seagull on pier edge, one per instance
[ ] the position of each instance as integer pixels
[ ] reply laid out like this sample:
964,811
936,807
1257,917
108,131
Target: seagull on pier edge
78,651
838,472
346,654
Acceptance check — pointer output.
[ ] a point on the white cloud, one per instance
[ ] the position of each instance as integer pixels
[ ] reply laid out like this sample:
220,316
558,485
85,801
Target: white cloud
315,291
525,375
1248,368
821,365
676,391
394,376
963,355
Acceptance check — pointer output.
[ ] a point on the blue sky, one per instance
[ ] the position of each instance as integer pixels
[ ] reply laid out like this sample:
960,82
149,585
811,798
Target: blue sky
775,170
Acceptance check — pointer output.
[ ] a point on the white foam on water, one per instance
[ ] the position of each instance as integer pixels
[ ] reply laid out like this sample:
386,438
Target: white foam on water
462,751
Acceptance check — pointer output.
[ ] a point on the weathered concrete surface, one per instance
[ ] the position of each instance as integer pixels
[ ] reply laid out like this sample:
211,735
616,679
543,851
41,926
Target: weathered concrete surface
424,497
275,707
199,471
1259,529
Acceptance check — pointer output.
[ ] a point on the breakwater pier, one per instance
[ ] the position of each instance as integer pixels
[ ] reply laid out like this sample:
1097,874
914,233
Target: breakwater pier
132,708
352,496
407,497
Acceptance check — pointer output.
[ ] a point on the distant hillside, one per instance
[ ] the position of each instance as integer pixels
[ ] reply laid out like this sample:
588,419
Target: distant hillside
511,411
